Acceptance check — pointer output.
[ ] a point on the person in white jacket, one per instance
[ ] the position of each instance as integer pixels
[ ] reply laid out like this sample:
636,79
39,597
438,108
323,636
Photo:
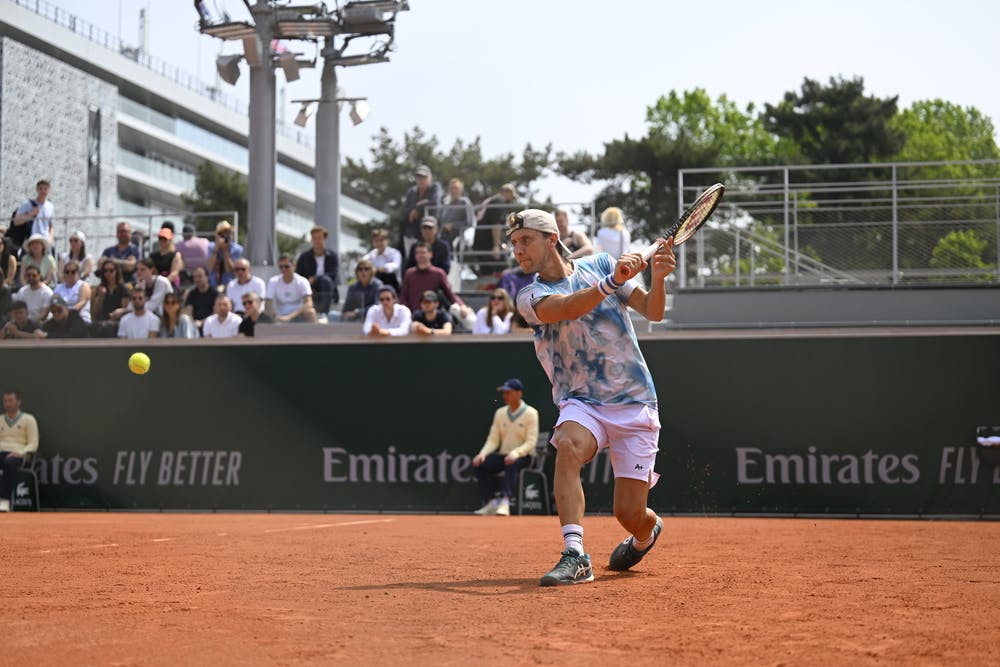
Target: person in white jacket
495,317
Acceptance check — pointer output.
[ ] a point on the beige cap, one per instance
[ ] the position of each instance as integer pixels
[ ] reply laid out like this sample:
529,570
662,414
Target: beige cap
539,220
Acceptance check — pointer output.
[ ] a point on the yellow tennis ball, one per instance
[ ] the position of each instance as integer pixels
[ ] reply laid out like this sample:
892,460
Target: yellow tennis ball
138,363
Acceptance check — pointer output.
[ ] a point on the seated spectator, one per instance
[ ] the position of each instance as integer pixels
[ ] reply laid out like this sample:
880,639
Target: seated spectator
577,242
193,249
199,303
362,294
221,255
514,280
35,293
77,253
154,285
20,325
223,323
8,262
74,291
321,267
455,214
252,314
495,316
110,300
139,323
509,448
124,254
244,283
387,318
289,296
440,252
430,319
37,255
423,277
173,322
386,259
167,261
65,322
613,237
18,436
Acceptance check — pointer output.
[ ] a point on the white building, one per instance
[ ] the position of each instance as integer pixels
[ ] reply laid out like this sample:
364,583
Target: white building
121,134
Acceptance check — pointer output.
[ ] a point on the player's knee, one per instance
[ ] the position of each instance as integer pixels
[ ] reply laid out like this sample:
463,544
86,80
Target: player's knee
572,450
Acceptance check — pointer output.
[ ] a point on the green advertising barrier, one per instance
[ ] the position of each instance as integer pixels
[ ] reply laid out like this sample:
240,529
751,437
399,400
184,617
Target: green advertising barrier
852,423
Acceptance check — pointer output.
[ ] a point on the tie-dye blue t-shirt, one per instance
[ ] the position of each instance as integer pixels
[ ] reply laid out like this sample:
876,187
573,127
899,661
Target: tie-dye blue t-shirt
595,358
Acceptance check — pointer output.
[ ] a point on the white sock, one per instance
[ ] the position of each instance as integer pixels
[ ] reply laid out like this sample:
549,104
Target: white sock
573,537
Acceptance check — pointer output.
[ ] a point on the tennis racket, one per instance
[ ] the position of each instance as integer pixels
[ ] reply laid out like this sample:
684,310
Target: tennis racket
691,220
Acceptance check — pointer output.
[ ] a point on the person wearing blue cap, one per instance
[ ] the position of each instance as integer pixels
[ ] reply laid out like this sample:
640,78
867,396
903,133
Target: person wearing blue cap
508,449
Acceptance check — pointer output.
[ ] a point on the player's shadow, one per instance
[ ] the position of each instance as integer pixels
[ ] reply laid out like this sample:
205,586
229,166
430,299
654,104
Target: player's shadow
479,587
483,587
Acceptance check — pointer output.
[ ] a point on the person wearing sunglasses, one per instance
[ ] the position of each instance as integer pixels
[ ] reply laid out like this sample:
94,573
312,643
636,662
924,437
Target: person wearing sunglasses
74,291
252,314
139,323
110,300
495,316
362,294
289,295
244,283
174,323
387,318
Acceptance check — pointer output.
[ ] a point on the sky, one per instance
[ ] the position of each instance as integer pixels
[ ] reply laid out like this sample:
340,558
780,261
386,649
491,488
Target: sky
579,73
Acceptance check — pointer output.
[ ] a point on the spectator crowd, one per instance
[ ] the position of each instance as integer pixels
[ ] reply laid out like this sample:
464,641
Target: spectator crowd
188,286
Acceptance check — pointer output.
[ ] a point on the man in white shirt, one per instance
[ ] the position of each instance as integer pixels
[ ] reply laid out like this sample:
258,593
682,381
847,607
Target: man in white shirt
222,324
36,294
139,323
387,318
155,286
244,283
35,216
289,296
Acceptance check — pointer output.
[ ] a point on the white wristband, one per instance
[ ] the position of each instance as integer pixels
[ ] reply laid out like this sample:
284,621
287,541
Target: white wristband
609,285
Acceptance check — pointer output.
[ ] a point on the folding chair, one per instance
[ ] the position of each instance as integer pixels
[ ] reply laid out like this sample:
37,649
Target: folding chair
24,497
536,472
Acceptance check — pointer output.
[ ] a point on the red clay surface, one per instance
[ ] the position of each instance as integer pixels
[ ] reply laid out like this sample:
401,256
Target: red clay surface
286,589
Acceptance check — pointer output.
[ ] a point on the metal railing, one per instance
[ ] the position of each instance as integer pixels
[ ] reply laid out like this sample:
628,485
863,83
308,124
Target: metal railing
878,224
100,229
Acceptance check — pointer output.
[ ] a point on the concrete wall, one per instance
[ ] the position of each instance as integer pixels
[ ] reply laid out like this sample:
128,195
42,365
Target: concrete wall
835,306
44,114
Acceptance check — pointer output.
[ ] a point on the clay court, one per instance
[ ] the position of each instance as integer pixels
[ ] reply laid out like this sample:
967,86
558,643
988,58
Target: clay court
291,589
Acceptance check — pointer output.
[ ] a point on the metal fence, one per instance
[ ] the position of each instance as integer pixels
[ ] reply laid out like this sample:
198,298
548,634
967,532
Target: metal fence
100,229
877,224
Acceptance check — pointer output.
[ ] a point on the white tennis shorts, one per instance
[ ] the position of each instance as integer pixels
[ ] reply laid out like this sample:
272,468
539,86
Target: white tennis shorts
628,431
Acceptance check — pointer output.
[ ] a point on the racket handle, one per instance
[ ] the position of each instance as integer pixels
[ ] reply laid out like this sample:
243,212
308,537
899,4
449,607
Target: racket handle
648,252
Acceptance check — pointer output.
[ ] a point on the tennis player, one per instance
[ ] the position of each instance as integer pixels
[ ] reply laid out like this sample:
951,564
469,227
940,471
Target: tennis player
586,344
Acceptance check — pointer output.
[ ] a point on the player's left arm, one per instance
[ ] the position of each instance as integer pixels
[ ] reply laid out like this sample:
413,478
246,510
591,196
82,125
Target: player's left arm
652,303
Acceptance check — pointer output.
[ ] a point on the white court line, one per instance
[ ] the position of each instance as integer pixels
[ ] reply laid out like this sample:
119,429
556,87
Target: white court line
314,526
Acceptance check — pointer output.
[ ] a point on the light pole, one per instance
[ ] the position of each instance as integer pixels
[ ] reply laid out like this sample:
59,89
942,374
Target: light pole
363,20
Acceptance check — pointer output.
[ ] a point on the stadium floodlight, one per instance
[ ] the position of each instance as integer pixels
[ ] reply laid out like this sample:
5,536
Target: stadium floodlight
365,19
289,66
359,110
363,59
303,116
229,68
251,49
